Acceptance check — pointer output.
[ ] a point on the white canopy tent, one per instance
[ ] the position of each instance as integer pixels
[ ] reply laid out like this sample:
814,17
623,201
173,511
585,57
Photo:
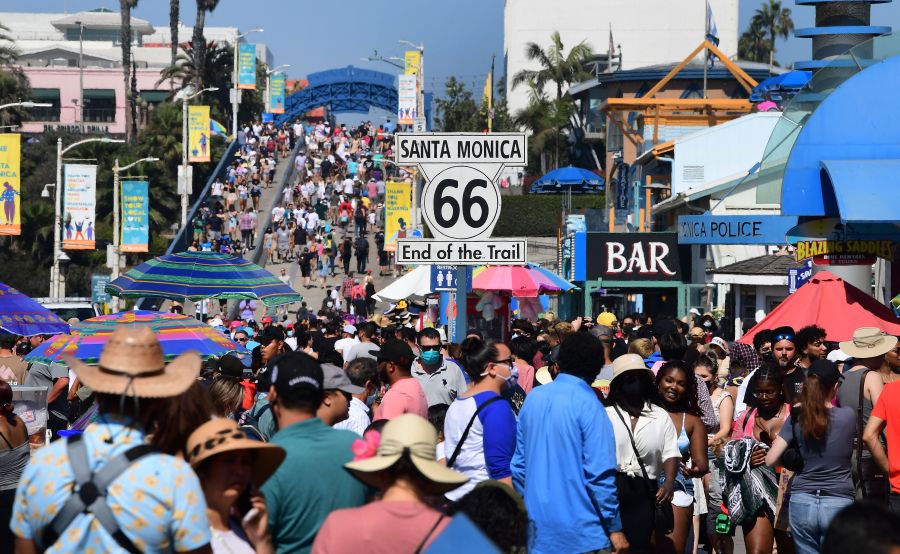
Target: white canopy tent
416,283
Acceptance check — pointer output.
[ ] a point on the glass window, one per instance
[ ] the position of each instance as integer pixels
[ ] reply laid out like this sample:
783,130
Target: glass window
155,96
48,96
99,105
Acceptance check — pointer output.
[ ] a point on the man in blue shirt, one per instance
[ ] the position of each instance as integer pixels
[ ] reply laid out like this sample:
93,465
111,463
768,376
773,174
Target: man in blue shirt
565,460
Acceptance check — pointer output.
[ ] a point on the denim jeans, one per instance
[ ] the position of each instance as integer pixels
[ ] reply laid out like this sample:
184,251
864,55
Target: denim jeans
810,515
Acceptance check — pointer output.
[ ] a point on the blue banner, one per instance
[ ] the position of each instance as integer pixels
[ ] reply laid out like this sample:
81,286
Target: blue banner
247,66
135,216
276,93
734,229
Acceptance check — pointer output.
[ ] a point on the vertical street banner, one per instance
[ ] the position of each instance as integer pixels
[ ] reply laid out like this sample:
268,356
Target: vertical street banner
198,134
406,99
10,184
276,93
397,213
80,207
247,66
412,59
135,216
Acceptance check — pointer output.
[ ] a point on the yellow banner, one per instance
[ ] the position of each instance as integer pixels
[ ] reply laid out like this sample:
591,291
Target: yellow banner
198,134
10,184
397,213
412,58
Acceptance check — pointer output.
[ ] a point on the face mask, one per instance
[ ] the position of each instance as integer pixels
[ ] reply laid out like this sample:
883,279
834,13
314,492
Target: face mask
290,333
707,324
430,357
627,329
513,378
631,389
370,400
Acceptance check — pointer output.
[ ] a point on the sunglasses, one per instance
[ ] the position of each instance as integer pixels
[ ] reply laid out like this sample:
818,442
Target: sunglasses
785,336
772,394
434,347
242,339
508,361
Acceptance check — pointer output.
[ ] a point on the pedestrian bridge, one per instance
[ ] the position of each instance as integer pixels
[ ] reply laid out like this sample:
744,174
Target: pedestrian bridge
345,90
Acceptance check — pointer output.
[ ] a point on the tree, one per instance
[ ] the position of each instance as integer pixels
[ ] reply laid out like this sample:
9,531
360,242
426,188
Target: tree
125,7
8,51
457,111
560,69
775,22
198,40
174,11
753,45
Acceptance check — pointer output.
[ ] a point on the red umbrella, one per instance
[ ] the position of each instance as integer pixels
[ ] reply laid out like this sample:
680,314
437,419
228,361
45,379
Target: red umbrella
832,304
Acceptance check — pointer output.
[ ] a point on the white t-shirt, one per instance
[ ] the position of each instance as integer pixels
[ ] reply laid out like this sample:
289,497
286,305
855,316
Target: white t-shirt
312,221
654,436
227,542
344,345
217,188
277,213
348,186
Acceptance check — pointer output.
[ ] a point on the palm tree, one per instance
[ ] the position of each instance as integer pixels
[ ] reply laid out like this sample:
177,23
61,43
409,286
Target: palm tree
557,67
174,9
753,45
125,7
8,51
775,22
198,40
214,71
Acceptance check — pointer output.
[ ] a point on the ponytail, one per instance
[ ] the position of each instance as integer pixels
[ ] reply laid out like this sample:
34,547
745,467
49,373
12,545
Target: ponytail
6,404
813,413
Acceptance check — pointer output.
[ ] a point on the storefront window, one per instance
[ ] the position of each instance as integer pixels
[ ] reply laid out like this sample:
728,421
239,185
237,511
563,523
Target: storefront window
99,105
48,96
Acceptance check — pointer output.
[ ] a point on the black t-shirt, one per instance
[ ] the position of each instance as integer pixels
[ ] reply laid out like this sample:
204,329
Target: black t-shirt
215,222
300,236
793,384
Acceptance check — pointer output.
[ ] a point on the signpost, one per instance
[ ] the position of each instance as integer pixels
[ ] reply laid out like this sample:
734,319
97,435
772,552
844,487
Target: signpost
461,202
798,277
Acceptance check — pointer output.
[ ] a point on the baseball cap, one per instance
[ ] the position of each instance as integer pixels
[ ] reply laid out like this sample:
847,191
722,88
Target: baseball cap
838,356
350,329
266,319
608,319
294,371
235,324
826,371
336,379
230,366
396,351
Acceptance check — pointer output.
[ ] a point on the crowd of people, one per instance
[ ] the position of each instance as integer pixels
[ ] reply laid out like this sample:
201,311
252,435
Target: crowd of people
341,434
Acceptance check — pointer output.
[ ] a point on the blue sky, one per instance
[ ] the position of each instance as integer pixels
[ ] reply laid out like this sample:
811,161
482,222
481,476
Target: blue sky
460,36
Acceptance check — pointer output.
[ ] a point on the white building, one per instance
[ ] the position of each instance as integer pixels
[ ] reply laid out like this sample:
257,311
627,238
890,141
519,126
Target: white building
648,31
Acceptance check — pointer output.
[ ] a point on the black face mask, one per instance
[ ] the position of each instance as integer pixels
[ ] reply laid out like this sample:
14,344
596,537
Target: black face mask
631,389
627,329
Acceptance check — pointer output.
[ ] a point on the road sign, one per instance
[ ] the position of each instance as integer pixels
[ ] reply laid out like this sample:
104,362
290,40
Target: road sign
443,278
799,276
98,289
463,252
461,203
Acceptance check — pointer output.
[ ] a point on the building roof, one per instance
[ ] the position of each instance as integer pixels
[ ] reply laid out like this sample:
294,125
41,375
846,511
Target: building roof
101,19
770,264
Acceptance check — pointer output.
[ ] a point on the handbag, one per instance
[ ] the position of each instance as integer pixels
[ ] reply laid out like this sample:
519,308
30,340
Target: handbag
792,458
664,516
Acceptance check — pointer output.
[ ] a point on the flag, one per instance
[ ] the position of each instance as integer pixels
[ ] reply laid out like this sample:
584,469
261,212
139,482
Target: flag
216,128
712,33
487,97
611,52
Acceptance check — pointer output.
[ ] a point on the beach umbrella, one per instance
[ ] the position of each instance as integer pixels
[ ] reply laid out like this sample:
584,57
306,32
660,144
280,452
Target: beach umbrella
416,283
20,315
177,334
199,275
832,304
568,177
523,281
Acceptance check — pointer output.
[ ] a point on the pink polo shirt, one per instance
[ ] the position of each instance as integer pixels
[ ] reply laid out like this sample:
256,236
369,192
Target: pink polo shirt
404,397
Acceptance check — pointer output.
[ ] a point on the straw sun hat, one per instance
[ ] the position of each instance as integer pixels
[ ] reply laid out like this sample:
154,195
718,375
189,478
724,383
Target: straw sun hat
868,342
223,435
413,434
132,364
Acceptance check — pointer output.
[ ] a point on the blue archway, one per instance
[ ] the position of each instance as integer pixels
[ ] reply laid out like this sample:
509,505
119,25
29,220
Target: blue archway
345,90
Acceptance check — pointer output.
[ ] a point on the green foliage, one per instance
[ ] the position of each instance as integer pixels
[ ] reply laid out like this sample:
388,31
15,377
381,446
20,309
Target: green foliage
14,87
458,110
533,215
771,21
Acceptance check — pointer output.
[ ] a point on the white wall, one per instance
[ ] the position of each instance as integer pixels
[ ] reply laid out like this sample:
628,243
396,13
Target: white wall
650,31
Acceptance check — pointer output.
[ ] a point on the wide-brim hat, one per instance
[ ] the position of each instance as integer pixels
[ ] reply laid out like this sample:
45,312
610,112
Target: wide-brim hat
413,434
869,342
132,364
223,435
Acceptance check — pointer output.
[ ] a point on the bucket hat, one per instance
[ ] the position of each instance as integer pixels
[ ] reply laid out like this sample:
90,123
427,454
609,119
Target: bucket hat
412,434
223,435
132,364
869,342
627,362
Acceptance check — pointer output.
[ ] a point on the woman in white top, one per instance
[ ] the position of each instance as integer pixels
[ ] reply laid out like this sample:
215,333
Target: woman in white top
639,423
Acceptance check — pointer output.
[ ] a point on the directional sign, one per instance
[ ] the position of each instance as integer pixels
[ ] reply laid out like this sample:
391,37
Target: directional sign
797,277
443,278
464,252
98,288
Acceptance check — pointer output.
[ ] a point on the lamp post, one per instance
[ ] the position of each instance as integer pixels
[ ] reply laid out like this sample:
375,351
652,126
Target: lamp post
57,287
234,81
116,268
26,104
185,99
269,73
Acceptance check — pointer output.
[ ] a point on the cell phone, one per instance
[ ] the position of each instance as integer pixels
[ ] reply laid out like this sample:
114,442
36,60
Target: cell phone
250,516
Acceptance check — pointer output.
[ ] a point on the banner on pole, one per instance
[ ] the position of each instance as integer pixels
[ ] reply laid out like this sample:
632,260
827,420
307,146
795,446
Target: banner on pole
10,184
412,59
397,213
80,208
135,216
198,134
406,99
247,66
276,93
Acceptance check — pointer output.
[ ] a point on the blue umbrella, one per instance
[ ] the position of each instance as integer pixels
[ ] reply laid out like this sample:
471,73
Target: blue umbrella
790,82
199,275
559,281
568,176
20,315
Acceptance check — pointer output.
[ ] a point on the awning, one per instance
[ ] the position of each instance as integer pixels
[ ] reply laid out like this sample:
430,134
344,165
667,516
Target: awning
861,189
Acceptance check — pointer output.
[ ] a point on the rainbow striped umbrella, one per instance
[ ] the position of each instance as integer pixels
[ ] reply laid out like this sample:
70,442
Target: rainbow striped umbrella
20,315
177,334
199,275
523,281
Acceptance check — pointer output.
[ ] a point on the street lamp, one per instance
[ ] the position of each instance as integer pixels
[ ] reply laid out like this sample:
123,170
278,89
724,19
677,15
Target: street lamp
185,99
377,58
116,269
57,286
234,81
269,73
26,104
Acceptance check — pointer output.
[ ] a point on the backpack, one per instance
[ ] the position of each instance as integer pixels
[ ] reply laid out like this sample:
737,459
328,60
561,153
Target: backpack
359,212
249,423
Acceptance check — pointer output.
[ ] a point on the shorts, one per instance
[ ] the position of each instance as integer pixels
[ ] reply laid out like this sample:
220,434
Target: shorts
684,490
